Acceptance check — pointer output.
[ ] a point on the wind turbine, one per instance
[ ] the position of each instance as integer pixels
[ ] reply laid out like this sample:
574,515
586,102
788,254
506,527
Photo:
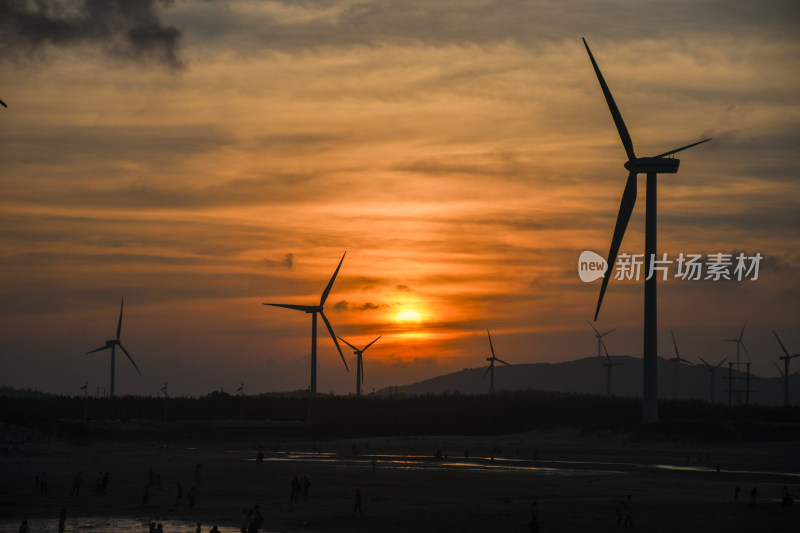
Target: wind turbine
785,372
652,166
739,343
599,336
713,370
112,345
609,365
490,368
359,363
676,362
313,310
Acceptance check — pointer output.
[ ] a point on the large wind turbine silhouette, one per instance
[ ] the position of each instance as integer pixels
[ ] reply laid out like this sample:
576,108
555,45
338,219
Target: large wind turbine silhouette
599,336
112,345
652,166
359,363
676,362
313,310
785,372
713,371
490,368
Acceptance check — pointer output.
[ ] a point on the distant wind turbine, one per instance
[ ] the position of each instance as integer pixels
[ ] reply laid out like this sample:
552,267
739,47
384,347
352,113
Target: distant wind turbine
609,365
652,166
676,363
359,363
112,345
740,344
785,372
713,371
313,310
599,336
490,368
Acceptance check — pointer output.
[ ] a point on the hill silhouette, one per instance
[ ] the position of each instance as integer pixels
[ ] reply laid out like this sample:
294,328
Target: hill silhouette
588,376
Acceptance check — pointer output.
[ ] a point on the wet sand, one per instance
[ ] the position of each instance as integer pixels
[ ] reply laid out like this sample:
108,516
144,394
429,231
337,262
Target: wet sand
576,479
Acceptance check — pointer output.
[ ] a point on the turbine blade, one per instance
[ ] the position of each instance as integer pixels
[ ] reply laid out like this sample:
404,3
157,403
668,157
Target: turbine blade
119,324
779,369
720,363
370,344
501,361
625,210
490,342
304,308
675,151
330,283
675,344
131,360
612,106
607,332
742,332
597,333
485,373
3,103
333,336
705,362
98,349
347,343
779,342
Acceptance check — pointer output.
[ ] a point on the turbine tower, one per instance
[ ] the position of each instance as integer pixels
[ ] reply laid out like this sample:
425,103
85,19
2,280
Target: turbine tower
359,363
313,310
785,372
599,336
609,365
676,362
713,371
490,369
651,166
112,345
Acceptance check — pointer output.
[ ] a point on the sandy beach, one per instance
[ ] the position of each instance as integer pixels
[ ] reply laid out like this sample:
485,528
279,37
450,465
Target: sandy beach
577,481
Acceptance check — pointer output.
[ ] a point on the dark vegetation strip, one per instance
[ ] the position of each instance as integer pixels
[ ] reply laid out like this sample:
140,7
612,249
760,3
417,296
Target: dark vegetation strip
176,419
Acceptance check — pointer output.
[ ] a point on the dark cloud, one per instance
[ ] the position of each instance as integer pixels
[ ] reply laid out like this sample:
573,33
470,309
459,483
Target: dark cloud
344,305
287,262
129,29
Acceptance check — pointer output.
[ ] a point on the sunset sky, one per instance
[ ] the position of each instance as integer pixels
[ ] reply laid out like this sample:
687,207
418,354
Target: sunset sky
202,157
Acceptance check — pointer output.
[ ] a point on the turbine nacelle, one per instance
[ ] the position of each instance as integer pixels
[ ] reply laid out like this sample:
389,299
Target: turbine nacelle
651,165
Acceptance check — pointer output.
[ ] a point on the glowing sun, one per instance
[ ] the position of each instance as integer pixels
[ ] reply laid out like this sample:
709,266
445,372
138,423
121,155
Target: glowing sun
407,316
